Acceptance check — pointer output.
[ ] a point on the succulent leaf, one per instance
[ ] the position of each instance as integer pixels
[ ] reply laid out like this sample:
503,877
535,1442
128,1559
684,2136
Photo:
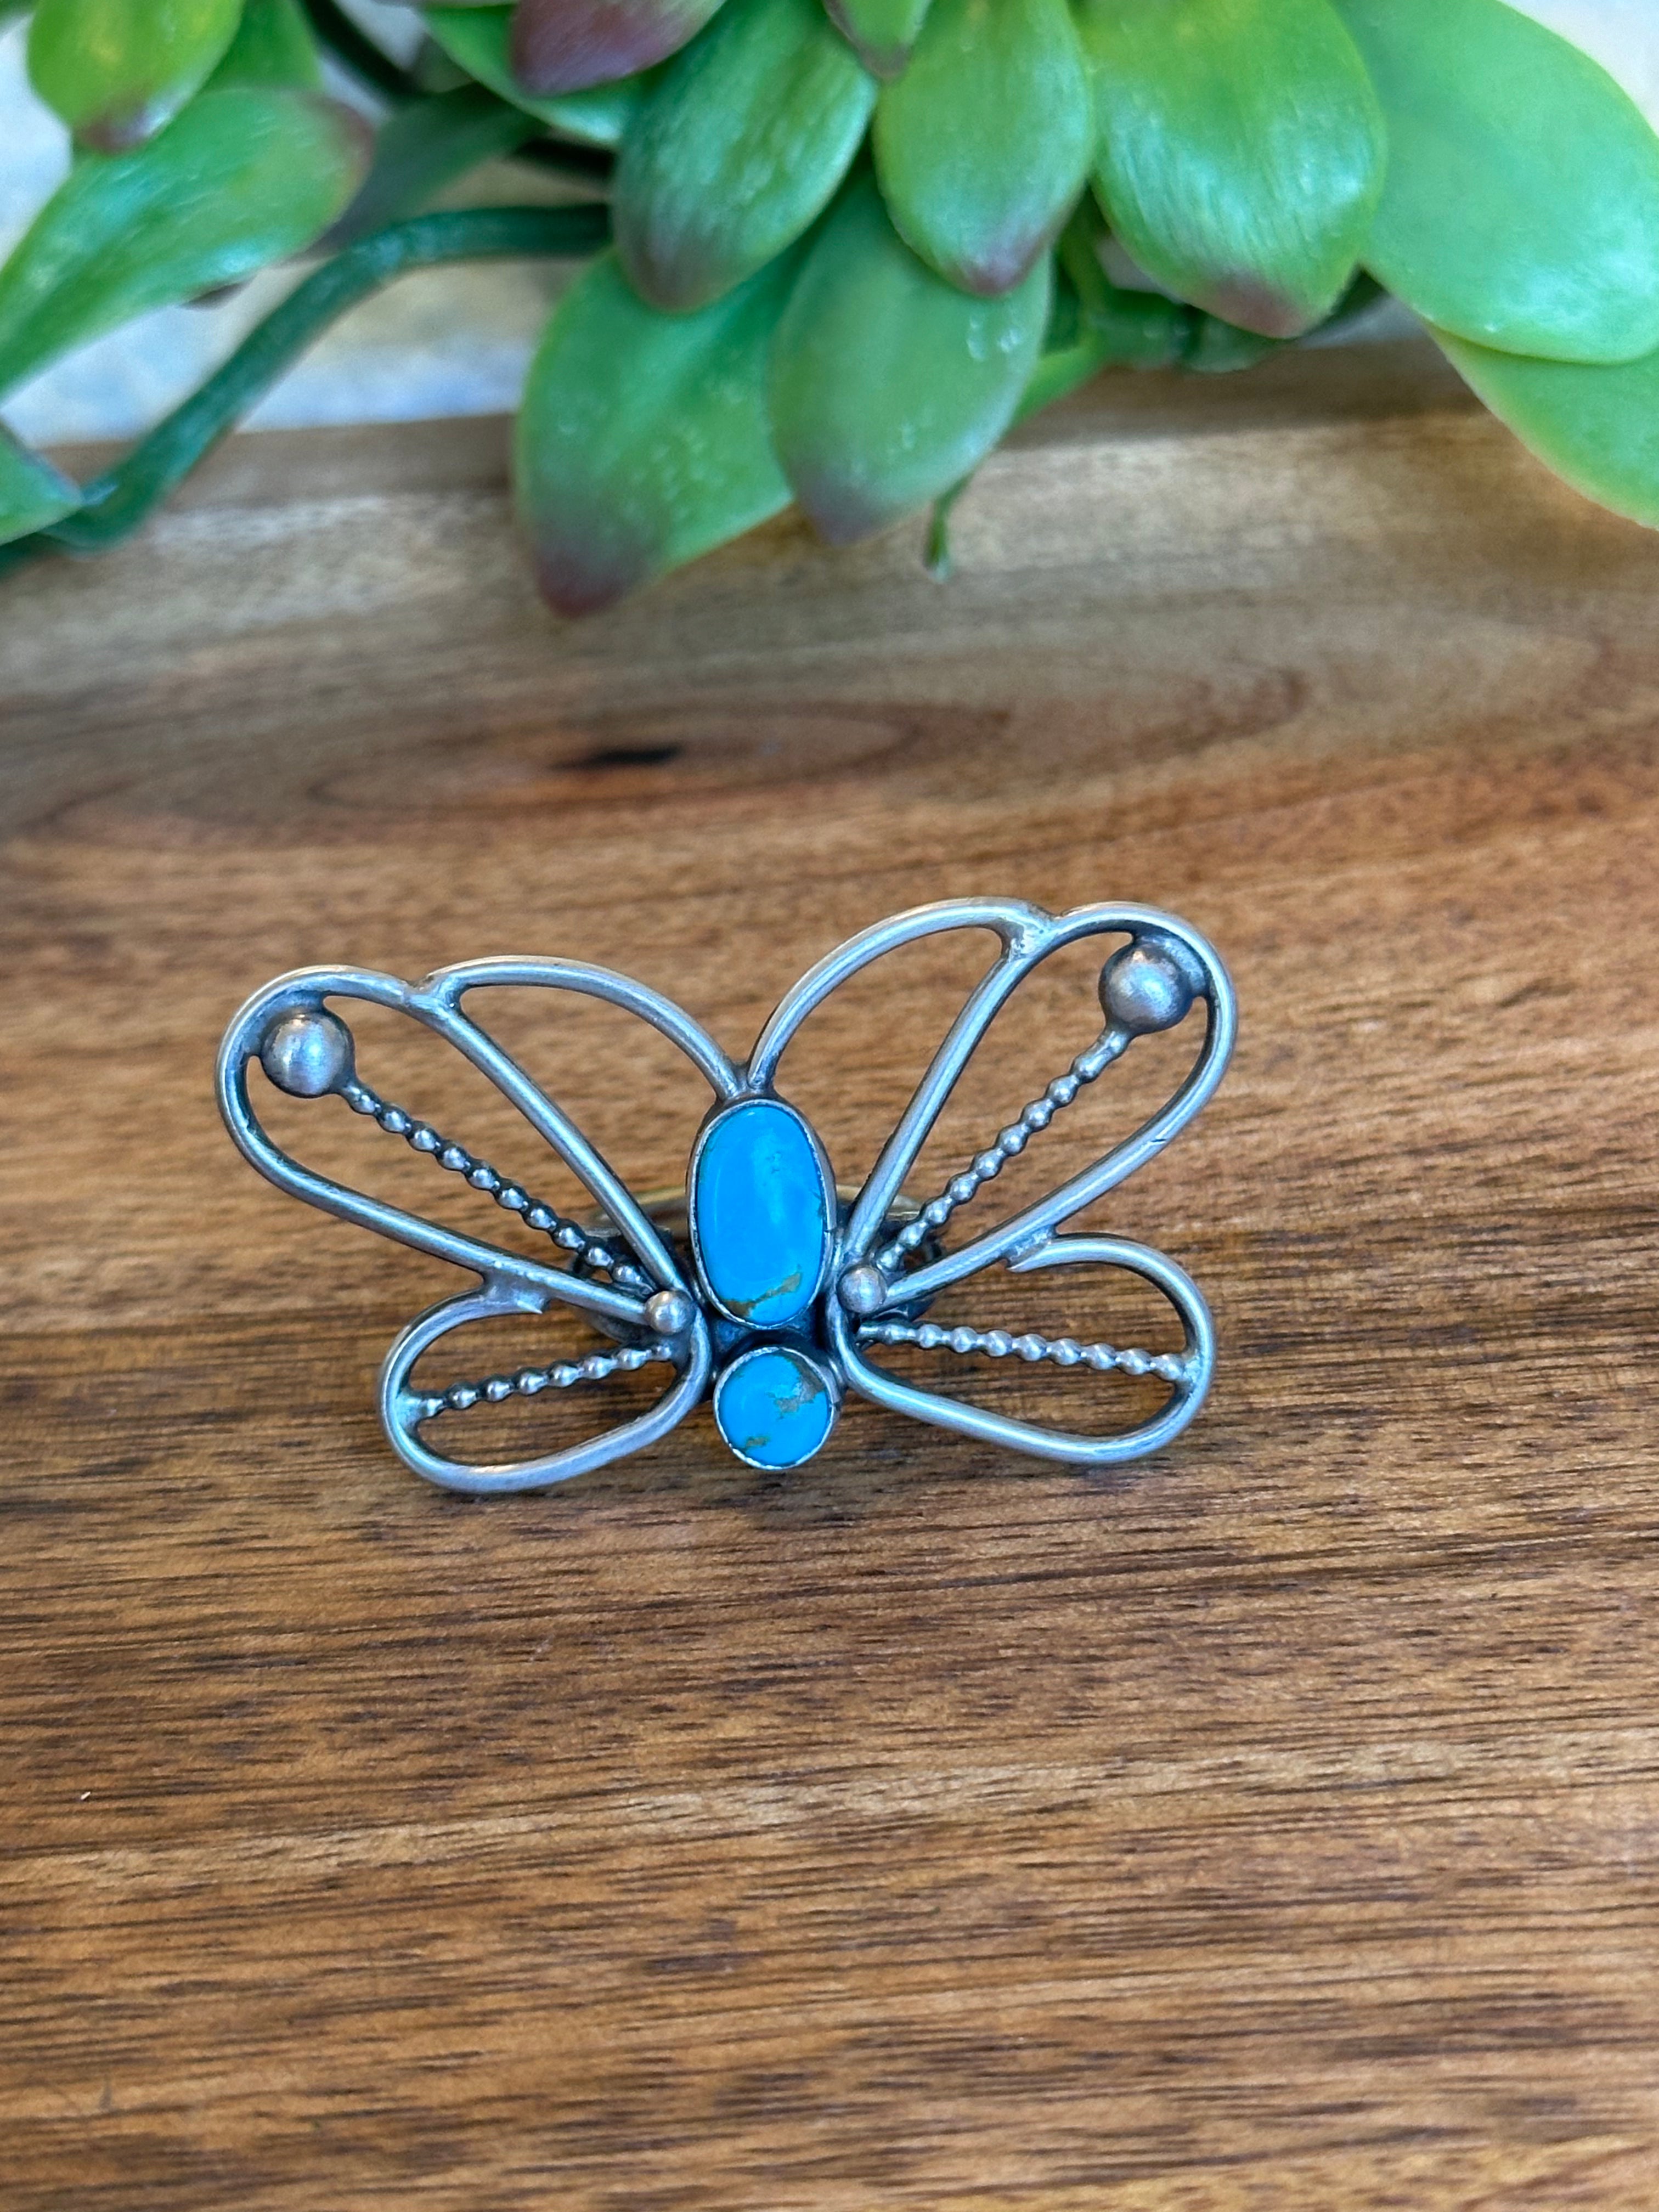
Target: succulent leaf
115,70
1595,424
882,31
1241,153
32,492
273,44
241,178
1521,205
984,142
738,149
476,40
889,384
642,440
566,45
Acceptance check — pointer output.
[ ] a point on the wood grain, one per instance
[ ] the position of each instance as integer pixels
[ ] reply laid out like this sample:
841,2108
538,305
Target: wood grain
1274,1826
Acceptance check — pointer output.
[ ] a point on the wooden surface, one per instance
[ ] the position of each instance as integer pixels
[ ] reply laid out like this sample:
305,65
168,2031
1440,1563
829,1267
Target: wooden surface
1274,1825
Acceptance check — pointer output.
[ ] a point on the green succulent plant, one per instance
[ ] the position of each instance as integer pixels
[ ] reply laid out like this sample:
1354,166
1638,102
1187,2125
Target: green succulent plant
837,247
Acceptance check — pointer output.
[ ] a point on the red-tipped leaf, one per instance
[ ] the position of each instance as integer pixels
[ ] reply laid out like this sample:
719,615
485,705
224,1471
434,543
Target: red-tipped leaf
884,32
889,384
642,439
738,149
1242,151
242,178
117,70
566,45
983,144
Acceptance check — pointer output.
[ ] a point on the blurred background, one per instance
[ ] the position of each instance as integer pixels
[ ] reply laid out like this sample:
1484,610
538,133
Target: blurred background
443,342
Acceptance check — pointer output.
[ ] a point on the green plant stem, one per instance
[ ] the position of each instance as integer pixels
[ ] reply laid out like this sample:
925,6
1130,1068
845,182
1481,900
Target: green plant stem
356,51
936,556
117,503
423,147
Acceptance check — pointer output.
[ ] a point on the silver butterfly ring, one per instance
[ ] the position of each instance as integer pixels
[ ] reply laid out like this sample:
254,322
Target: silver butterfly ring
764,1286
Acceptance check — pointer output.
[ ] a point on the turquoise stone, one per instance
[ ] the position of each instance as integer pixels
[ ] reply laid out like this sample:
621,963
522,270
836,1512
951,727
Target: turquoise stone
760,1213
774,1406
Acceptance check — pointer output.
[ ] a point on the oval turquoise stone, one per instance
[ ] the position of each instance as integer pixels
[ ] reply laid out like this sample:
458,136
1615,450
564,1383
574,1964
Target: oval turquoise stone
774,1406
760,1213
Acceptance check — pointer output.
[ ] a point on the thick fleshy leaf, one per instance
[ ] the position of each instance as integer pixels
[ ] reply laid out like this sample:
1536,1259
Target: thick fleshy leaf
642,438
1241,151
737,150
1595,424
115,70
476,38
565,46
1623,36
273,46
243,177
1520,206
884,31
32,492
983,144
888,383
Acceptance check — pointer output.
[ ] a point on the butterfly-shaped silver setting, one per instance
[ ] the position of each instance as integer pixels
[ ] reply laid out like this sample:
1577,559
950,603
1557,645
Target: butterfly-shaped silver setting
766,1288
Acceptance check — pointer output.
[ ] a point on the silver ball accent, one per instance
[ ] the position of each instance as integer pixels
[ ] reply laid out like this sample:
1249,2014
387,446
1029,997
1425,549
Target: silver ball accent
670,1313
863,1288
308,1053
1149,985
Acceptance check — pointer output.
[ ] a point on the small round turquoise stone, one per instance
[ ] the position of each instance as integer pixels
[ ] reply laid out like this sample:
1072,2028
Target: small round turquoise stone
774,1406
760,1213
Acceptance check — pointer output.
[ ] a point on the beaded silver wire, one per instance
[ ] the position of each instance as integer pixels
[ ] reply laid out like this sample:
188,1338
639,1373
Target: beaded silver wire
764,1284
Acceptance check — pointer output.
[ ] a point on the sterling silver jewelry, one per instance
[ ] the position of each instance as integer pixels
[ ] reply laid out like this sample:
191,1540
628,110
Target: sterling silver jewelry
762,1285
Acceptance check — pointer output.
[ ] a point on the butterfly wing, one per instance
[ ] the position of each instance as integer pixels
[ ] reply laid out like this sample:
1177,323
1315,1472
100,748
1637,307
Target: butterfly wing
290,1017
888,1281
1187,1371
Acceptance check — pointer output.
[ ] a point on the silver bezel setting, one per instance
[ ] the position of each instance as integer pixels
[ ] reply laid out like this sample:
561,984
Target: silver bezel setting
827,1256
794,1350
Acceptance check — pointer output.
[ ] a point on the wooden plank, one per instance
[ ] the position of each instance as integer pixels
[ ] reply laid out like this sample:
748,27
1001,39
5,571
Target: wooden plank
1270,1825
